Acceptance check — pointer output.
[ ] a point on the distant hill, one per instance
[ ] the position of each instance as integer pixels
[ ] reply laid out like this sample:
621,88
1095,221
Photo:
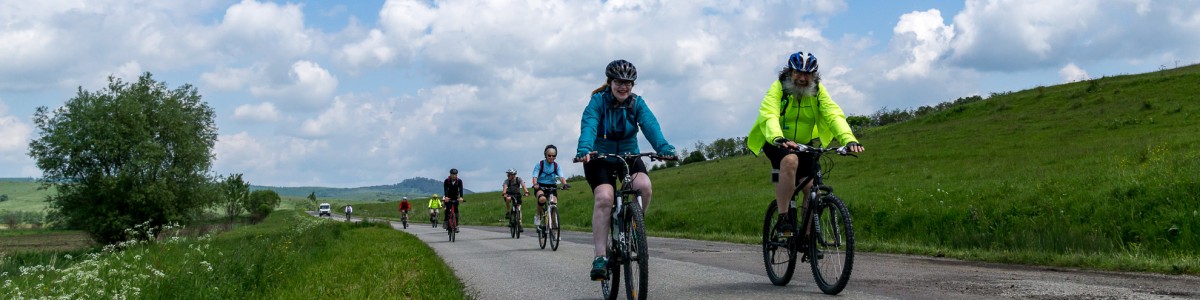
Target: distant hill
412,187
16,179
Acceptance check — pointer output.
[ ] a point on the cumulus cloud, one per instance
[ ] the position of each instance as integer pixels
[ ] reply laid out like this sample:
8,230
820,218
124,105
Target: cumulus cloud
14,134
1072,73
925,37
263,112
264,29
232,79
310,86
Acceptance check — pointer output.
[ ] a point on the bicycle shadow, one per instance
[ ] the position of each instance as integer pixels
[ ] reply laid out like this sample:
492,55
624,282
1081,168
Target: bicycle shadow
734,289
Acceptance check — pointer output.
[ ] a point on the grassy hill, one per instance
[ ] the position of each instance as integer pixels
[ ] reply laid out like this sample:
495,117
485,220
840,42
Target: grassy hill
412,187
23,195
1102,173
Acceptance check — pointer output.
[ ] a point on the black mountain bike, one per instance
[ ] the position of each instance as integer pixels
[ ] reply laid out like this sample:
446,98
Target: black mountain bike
433,218
627,248
825,239
404,220
514,217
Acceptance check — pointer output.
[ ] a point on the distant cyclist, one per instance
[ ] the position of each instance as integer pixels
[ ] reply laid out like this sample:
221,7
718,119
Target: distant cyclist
609,126
512,188
546,174
453,187
435,203
796,108
404,207
348,209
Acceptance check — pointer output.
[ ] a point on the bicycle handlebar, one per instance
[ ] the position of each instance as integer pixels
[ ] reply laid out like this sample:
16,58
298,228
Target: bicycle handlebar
802,148
651,155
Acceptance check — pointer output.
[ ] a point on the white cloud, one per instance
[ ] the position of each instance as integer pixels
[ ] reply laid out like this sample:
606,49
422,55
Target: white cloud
925,37
14,134
1072,73
310,86
1011,35
263,112
264,30
232,79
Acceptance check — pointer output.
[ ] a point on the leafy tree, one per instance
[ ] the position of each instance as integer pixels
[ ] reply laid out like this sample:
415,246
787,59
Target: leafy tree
234,192
128,154
312,198
261,203
694,157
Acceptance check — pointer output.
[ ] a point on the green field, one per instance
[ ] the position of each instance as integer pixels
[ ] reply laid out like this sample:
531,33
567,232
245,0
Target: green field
1103,173
23,196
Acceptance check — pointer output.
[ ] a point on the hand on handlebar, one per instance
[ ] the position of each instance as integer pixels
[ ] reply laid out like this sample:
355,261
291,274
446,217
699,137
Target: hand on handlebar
566,186
585,158
854,147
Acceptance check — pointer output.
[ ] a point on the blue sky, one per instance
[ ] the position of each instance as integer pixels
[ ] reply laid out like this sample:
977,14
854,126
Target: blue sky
356,93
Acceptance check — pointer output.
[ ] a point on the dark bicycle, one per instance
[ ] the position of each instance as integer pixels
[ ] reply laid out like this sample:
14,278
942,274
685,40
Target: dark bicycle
451,219
826,238
514,217
404,219
433,217
627,248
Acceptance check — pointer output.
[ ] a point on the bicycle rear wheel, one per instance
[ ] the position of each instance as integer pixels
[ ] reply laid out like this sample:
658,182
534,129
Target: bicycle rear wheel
831,251
779,256
552,226
637,257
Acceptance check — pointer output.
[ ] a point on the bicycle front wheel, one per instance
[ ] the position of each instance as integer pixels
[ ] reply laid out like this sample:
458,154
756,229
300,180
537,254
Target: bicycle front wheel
552,227
779,256
831,251
512,224
452,225
637,259
543,237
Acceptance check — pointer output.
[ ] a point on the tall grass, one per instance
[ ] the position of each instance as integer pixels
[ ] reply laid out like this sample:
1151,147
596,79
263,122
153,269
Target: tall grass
289,255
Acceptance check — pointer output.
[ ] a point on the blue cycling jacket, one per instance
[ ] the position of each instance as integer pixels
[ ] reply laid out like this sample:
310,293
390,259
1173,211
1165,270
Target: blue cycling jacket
609,127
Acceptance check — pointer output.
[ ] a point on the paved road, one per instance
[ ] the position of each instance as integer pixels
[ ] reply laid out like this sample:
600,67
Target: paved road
495,266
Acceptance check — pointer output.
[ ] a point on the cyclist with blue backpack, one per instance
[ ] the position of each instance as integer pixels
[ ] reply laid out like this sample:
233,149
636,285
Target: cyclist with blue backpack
609,126
796,108
546,176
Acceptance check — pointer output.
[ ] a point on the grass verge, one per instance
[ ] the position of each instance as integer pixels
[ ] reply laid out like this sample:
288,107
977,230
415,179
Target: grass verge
288,256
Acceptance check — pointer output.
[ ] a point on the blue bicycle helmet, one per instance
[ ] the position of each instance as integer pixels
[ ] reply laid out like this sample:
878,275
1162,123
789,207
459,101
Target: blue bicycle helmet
802,62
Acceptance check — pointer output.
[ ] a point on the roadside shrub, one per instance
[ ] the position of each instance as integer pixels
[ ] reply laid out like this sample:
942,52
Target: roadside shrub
261,203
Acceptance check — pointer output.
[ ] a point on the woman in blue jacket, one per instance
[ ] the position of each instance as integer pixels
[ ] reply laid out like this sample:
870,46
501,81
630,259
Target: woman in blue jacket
610,125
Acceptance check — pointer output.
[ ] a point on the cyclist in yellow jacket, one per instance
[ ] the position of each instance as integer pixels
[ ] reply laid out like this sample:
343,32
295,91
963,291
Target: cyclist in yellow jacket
435,203
797,108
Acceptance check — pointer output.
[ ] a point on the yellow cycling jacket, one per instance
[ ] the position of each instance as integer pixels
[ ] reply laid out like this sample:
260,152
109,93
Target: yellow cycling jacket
800,121
435,202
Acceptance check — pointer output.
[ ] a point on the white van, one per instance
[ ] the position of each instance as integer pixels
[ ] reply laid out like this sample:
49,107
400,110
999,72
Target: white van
324,210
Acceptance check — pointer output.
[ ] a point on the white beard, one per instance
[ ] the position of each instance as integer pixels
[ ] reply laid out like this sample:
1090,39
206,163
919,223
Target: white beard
809,90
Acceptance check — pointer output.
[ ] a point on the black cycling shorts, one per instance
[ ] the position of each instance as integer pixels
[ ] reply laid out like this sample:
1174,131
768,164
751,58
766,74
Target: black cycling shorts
547,190
516,198
806,166
603,171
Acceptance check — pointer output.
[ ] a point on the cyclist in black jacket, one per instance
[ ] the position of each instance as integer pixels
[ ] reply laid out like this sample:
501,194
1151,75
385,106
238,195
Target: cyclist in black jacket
453,187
